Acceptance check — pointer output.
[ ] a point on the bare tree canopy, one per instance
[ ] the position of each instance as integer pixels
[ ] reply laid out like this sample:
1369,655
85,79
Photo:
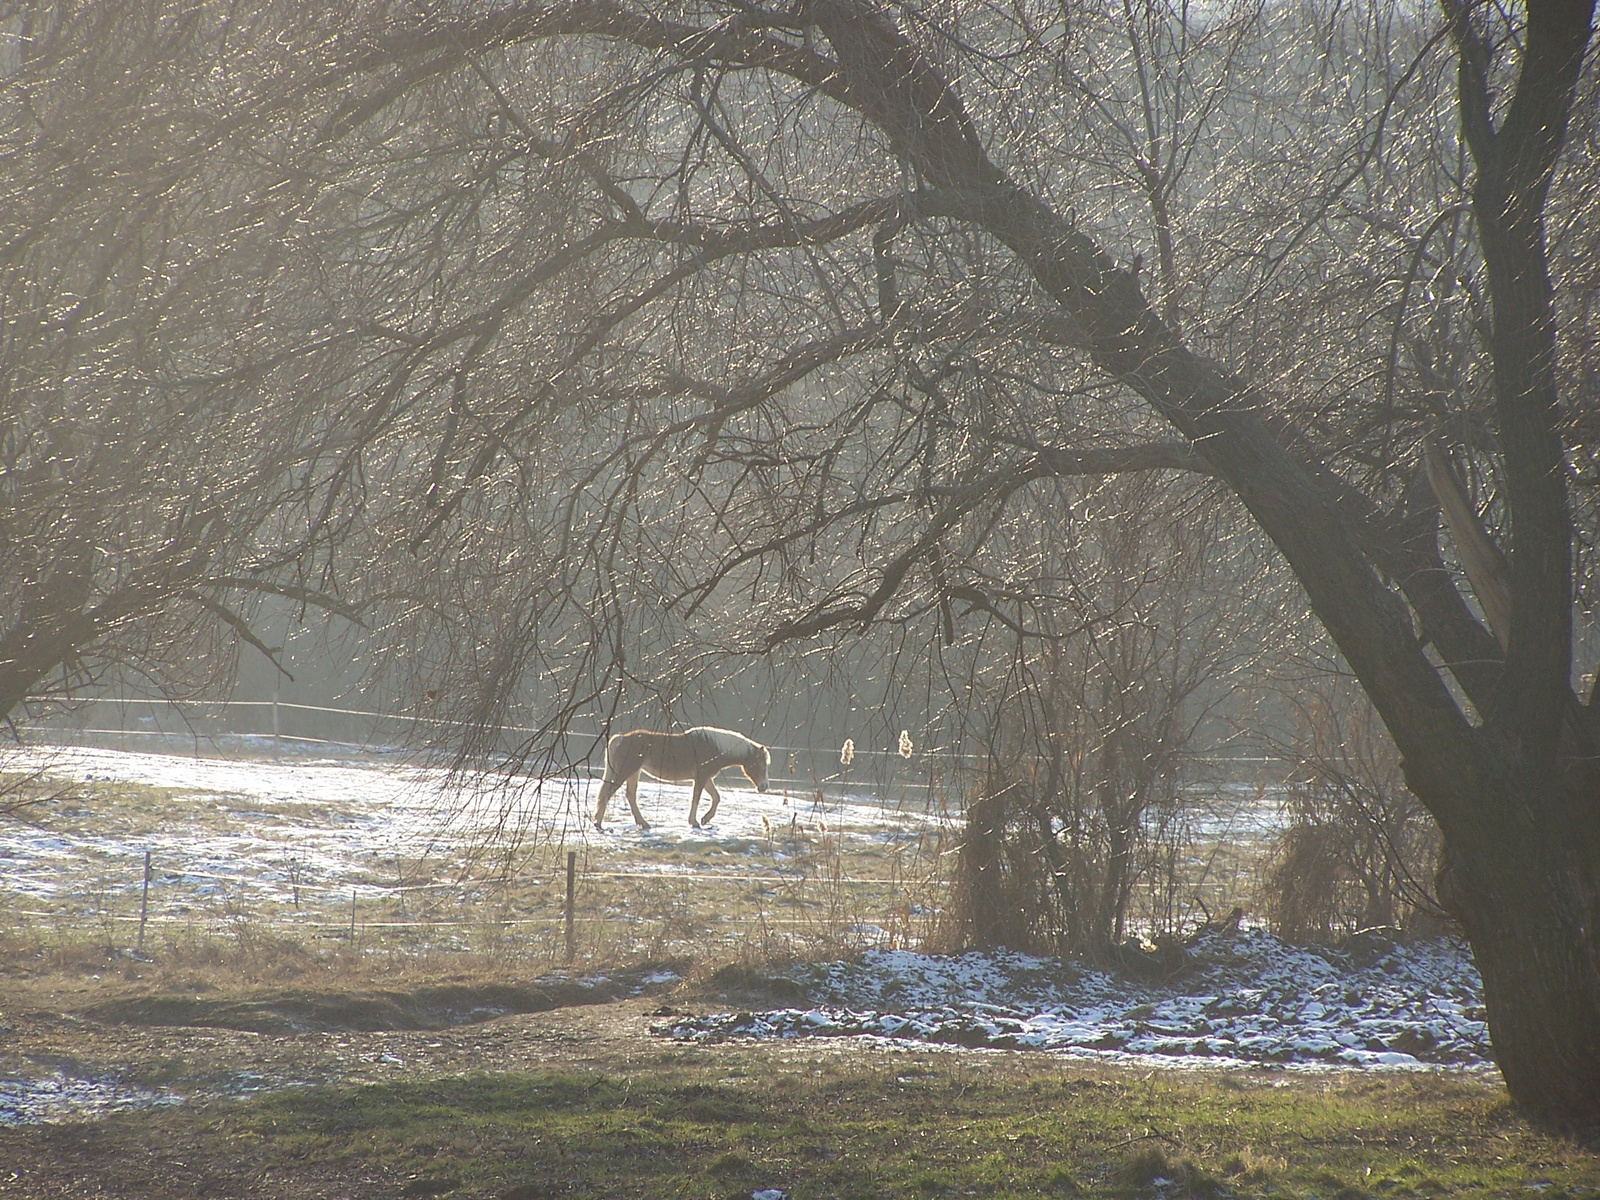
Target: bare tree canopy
577,343
166,422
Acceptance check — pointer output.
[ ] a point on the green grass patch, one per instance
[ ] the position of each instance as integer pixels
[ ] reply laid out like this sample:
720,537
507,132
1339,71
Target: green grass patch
842,1130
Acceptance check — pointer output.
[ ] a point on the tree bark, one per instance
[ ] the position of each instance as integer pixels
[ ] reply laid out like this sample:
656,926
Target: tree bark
1522,870
1523,882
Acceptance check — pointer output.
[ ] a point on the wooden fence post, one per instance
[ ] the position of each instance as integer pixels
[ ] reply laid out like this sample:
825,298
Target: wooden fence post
144,905
572,882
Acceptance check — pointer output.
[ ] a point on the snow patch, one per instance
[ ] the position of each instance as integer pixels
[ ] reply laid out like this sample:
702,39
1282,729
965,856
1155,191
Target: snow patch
1243,999
61,1097
267,831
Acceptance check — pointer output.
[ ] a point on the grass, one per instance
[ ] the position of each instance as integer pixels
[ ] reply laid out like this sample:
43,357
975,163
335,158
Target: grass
802,888
467,916
821,1127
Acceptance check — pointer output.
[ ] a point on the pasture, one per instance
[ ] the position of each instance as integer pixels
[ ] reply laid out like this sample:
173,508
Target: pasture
537,1108
394,861
352,980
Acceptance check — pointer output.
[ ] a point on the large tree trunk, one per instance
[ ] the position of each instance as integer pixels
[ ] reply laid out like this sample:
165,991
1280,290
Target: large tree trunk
1525,884
1523,857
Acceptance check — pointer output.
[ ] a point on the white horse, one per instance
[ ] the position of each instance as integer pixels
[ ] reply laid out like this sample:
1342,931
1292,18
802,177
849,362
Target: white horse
695,754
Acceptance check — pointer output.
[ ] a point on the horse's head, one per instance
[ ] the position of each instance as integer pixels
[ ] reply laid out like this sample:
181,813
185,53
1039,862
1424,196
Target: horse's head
756,767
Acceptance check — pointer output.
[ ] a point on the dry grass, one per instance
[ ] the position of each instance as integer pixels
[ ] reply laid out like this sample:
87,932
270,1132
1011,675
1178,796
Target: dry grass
576,1101
800,890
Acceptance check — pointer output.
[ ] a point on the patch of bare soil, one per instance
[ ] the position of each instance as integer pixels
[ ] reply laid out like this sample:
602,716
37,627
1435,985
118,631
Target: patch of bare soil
204,1049
200,1048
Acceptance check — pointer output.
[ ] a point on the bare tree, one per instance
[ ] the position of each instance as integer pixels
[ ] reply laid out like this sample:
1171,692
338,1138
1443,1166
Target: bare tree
635,336
1095,727
1360,852
160,430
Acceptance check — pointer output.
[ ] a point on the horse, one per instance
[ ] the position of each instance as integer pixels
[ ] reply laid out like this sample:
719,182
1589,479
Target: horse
695,754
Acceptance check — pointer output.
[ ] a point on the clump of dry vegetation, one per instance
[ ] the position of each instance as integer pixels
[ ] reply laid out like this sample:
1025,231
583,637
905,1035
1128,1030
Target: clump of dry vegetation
1359,852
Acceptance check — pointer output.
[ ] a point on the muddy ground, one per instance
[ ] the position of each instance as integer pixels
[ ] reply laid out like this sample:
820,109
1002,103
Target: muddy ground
203,1049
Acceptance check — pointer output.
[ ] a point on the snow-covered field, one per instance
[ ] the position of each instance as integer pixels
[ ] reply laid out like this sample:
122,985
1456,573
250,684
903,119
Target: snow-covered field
254,831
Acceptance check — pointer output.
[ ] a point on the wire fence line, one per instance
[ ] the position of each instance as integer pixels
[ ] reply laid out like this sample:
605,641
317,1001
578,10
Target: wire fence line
160,733
830,752
175,877
442,923
228,916
407,718
794,782
868,908
794,768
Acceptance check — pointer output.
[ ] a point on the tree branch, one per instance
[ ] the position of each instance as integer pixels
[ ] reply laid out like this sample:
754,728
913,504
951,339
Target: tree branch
242,628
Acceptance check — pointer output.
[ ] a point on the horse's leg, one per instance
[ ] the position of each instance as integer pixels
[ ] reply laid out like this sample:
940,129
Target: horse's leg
694,802
716,799
608,788
633,801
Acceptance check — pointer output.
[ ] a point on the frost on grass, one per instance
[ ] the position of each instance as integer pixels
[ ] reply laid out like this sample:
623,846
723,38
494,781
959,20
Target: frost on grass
1243,998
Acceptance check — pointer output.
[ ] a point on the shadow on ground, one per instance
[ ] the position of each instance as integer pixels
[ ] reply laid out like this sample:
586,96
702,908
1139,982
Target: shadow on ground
441,1007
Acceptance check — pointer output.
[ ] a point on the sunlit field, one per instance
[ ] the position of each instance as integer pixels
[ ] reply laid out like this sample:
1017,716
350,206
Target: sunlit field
391,860
385,858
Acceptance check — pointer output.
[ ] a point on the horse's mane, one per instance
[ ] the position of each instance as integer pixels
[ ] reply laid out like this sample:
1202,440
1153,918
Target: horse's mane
726,740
